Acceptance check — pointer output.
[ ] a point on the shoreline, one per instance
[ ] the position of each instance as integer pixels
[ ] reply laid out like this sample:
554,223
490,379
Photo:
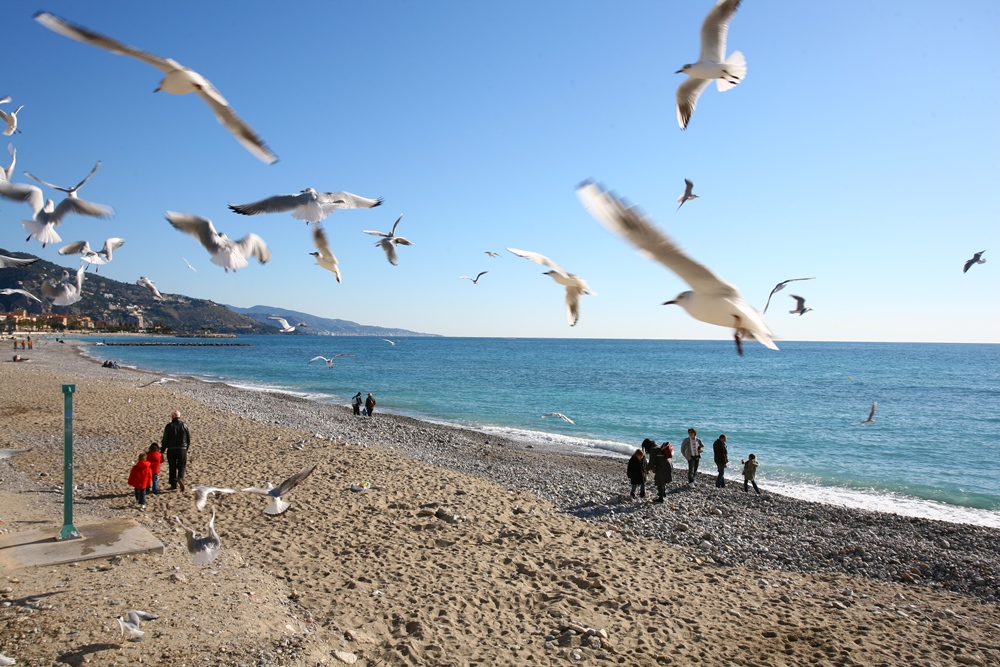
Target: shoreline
469,548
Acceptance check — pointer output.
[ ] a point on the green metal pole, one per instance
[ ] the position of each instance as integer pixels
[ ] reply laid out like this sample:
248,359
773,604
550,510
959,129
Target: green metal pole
69,531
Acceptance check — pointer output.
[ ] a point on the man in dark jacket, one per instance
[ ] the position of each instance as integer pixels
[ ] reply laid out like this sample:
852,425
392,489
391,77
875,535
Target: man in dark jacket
663,471
175,442
721,459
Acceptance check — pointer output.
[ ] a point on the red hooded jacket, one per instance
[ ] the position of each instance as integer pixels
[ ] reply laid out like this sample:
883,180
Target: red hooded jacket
140,477
155,461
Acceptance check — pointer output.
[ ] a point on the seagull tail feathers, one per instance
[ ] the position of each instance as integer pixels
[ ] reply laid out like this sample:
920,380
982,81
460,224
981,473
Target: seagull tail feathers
41,232
736,67
276,506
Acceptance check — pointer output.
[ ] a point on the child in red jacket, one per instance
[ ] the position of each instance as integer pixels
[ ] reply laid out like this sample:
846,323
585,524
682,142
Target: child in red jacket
140,478
155,459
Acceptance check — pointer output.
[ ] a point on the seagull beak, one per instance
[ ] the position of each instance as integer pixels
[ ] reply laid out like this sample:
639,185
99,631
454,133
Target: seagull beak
670,303
680,71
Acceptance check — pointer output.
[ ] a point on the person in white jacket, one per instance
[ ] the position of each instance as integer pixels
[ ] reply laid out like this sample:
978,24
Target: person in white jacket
691,449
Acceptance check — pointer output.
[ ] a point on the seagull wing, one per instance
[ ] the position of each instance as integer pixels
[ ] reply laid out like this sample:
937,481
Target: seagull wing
9,291
344,354
871,415
395,224
572,305
85,179
799,303
688,187
629,223
280,320
481,274
320,358
80,207
539,259
236,126
76,248
275,204
110,245
348,200
687,99
81,34
10,262
252,245
136,615
714,30
321,242
198,227
390,250
45,183
292,481
374,233
23,192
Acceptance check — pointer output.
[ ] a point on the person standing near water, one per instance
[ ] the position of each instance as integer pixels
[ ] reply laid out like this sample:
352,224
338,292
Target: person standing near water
356,403
370,404
175,442
721,460
750,472
636,472
691,449
663,469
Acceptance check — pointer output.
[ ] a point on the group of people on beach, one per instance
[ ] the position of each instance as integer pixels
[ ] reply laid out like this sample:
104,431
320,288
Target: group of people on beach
26,343
369,405
144,477
658,460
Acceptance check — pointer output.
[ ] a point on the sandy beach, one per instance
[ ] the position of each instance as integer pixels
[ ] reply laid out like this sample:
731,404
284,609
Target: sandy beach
467,549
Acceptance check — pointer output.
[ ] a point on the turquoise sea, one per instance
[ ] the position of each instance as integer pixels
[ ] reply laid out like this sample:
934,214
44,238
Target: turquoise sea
933,449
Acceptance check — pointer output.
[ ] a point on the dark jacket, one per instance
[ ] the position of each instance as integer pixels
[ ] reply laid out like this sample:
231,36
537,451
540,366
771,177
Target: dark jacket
663,471
636,469
175,436
721,452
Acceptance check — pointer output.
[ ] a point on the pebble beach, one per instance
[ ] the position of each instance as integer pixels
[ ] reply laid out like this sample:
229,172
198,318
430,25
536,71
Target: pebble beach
463,549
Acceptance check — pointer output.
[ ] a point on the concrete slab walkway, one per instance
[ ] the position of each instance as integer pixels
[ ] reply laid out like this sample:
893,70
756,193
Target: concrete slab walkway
105,539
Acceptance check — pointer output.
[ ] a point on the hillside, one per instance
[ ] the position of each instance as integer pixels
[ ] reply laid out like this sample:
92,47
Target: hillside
321,325
122,304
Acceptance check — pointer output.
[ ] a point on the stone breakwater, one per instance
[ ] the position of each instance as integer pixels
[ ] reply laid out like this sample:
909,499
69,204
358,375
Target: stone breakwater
724,526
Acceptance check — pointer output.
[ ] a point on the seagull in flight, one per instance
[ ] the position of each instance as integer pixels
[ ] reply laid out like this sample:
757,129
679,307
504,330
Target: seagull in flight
143,281
688,195
188,264
225,252
10,119
391,342
178,80
131,626
575,285
96,258
201,494
561,416
7,291
780,286
871,416
67,291
276,505
308,205
390,241
475,281
492,254
800,306
203,549
976,259
7,453
329,362
324,256
712,63
7,172
711,300
46,216
283,324
13,262
160,381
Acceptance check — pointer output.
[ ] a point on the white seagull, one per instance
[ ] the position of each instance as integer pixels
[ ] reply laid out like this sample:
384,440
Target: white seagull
283,324
179,80
276,504
7,453
131,626
560,415
96,258
10,119
475,281
688,195
46,215
712,63
390,241
160,381
575,285
143,281
67,291
14,262
800,306
201,494
976,259
4,660
308,205
391,342
329,362
871,416
324,256
780,286
225,252
202,549
70,192
6,173
7,291
188,264
712,299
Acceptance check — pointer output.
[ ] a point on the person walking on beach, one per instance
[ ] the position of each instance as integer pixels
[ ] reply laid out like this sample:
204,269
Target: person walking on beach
155,459
356,403
175,442
370,404
750,472
721,460
31,345
663,469
691,449
139,478
637,472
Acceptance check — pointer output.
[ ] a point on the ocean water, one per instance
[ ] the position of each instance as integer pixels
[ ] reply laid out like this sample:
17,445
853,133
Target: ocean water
933,449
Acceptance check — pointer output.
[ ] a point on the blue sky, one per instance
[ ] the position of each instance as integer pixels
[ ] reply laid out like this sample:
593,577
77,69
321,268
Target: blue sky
861,149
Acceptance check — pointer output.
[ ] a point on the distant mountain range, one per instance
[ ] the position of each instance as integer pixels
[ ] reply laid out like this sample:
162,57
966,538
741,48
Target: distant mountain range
320,325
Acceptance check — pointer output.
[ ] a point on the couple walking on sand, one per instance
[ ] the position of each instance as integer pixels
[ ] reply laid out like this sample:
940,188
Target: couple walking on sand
369,404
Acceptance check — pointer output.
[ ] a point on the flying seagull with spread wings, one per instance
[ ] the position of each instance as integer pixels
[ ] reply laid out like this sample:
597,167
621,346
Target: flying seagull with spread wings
688,194
276,505
800,306
205,549
324,256
560,416
871,416
475,281
574,284
780,286
283,325
308,205
329,362
103,256
225,252
390,241
976,259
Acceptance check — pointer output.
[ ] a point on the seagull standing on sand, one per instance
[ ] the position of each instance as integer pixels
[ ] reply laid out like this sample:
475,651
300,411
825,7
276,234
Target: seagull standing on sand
871,416
976,259
201,494
688,195
560,415
67,291
225,252
131,626
712,63
179,80
780,286
12,262
283,324
202,549
7,291
143,281
10,119
390,241
712,300
575,285
475,281
96,258
329,362
324,256
308,205
276,505
7,173
800,306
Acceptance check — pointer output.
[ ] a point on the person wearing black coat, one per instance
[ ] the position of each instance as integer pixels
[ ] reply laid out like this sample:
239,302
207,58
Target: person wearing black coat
637,473
721,459
175,442
663,471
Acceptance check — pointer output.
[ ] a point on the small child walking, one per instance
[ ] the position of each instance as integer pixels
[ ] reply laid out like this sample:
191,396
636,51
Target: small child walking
749,472
139,479
155,459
